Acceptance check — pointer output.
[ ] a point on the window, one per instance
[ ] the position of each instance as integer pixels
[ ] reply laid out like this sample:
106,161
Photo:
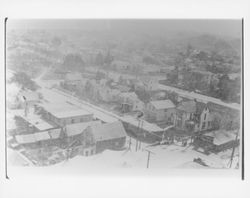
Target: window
205,116
86,153
203,125
72,121
81,119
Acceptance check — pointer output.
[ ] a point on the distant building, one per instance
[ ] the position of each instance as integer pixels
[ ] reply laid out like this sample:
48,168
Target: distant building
185,112
102,137
161,110
130,102
63,114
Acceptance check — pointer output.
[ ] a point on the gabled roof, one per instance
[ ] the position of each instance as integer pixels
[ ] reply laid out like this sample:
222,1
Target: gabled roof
200,107
163,104
187,106
108,131
75,129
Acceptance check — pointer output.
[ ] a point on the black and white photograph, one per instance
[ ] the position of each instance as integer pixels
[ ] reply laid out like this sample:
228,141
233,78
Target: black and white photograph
120,99
124,94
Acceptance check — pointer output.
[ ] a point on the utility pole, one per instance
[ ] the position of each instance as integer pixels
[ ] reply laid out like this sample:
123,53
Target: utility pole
141,130
232,155
149,153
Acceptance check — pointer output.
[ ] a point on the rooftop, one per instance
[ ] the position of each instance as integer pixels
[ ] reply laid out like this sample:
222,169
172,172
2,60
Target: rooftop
222,136
64,110
78,128
163,104
187,106
35,120
108,131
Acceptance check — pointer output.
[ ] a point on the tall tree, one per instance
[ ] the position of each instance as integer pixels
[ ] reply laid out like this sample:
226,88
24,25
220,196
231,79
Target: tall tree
99,60
73,62
24,80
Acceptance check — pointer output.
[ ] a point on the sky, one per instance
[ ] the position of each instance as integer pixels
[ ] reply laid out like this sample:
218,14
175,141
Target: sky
222,27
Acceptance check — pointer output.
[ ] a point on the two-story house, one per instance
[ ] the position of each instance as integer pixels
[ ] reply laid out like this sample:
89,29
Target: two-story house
161,110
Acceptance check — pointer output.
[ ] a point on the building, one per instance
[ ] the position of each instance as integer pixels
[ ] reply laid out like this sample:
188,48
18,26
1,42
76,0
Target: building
64,114
216,141
193,116
102,137
131,102
185,112
203,117
161,110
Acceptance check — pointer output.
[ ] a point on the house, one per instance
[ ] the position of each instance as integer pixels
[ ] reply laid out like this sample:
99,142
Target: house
185,112
63,114
130,102
102,137
161,110
216,141
74,132
203,117
193,116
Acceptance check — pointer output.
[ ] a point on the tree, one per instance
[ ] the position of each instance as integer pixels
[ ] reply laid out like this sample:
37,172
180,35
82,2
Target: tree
99,60
173,96
224,87
108,59
73,62
56,42
24,80
100,75
150,60
143,95
172,77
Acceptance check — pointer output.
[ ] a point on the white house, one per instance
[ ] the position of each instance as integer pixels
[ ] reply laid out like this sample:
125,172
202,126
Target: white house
161,110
